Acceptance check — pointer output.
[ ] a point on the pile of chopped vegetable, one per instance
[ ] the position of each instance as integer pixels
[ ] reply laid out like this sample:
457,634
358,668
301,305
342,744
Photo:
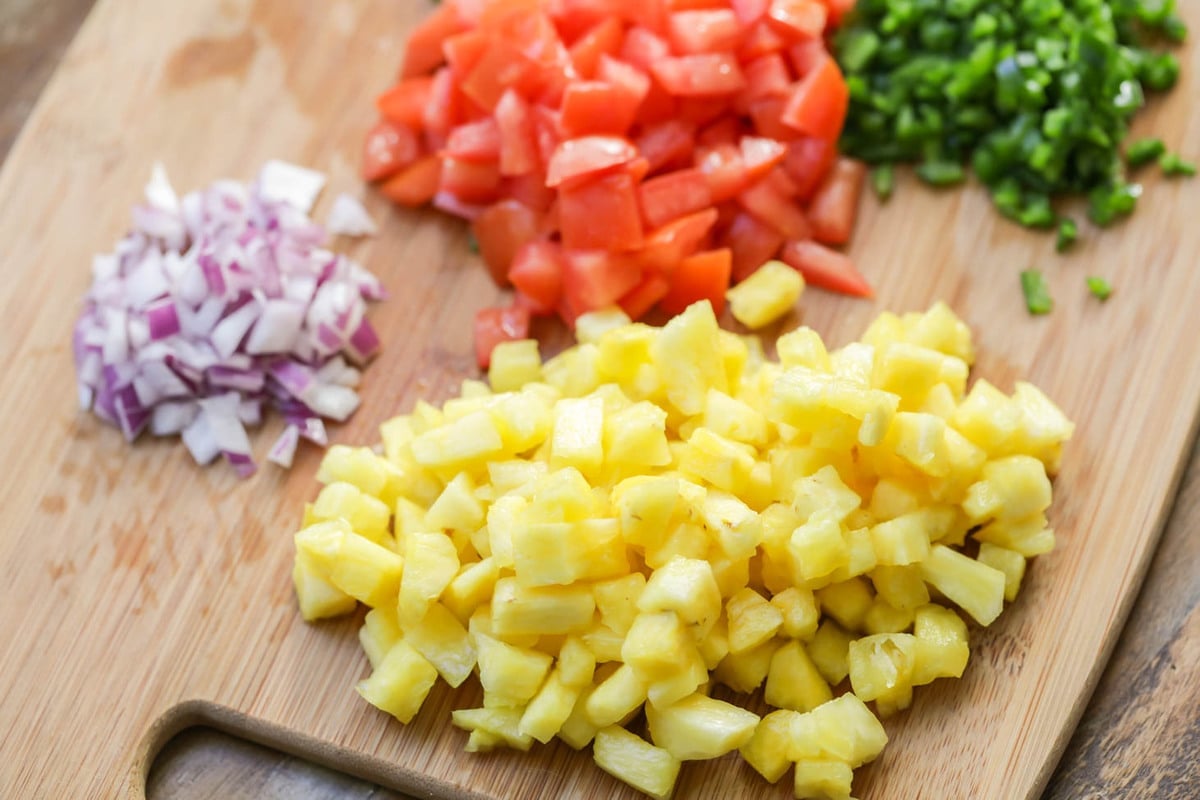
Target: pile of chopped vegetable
657,512
219,305
1035,96
644,154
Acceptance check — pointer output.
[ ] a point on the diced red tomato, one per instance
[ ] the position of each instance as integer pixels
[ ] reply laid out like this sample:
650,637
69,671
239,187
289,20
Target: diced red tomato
826,268
806,55
818,103
423,51
496,325
530,190
500,231
753,243
673,195
603,39
760,155
472,182
537,271
595,279
643,48
638,301
797,19
477,142
665,247
667,144
702,110
404,103
703,276
587,156
416,184
766,76
749,11
770,200
708,31
464,50
807,162
632,82
590,107
441,113
695,5
546,134
761,40
600,213
700,75
726,130
518,146
455,206
388,149
835,205
501,66
725,170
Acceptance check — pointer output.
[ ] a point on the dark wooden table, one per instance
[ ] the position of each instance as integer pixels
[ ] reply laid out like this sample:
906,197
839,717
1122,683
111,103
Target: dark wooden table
1139,737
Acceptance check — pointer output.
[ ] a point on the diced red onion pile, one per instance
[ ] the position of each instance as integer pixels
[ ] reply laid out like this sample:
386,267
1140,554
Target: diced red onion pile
222,304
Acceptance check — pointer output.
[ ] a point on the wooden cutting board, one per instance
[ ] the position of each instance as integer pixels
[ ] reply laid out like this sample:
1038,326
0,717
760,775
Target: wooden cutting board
140,594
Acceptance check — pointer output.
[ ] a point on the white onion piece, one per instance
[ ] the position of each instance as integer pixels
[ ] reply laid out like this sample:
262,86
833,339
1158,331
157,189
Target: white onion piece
348,217
220,305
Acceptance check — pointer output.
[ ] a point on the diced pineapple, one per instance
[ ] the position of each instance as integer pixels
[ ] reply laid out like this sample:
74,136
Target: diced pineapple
471,588
893,497
618,600
883,617
682,540
549,709
720,462
357,466
1028,536
803,348
829,649
746,671
1010,562
847,602
715,644
900,587
688,678
431,562
457,507
368,516
843,729
881,669
823,492
549,553
988,418
564,495
368,572
646,505
576,663
316,596
1044,427
940,329
810,400
443,641
817,547
633,760
508,671
657,645
577,730
471,440
401,682
577,439
766,295
1011,488
502,726
860,558
379,632
920,440
604,642
752,620
823,779
514,364
767,750
540,610
700,727
911,371
800,612
683,355
735,525
901,540
733,419
636,437
573,372
687,587
523,419
619,695
793,680
977,588
941,645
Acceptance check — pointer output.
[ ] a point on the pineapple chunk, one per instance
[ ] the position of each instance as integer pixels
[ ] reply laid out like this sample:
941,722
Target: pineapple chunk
901,540
700,727
508,671
577,439
881,668
824,493
576,663
431,562
633,760
745,671
720,462
829,650
471,588
823,779
636,437
1010,562
803,348
549,709
800,612
689,678
683,352
357,466
618,696
765,296
379,632
368,516
687,587
752,620
619,599
977,588
1028,536
900,587
577,730
401,682
941,646
443,641
847,602
500,726
843,729
362,569
316,596
767,750
457,507
514,364
657,646
518,610
817,547
793,681
591,327
731,418
1011,488
474,439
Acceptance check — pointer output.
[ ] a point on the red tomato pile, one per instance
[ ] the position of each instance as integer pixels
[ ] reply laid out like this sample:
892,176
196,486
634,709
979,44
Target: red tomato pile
638,152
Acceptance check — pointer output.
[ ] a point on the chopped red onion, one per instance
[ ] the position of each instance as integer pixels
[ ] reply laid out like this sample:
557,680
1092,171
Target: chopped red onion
220,304
349,218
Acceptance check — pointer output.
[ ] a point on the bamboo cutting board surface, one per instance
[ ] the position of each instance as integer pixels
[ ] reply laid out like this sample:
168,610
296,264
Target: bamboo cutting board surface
140,594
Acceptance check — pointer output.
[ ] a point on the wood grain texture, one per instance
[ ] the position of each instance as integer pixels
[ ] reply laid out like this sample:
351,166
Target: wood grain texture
141,595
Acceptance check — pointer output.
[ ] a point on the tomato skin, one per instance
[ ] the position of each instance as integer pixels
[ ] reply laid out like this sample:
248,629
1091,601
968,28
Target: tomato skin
594,279
818,103
587,156
704,31
797,19
496,325
518,145
725,170
388,149
766,76
667,144
807,163
597,107
602,39
673,195
404,103
470,181
638,301
702,276
665,247
423,51
834,207
414,185
753,243
750,11
761,155
825,268
500,231
700,75
600,214
771,200
476,142
537,272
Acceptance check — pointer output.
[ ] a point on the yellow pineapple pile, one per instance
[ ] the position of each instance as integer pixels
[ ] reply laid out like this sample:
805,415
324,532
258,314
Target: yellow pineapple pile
655,511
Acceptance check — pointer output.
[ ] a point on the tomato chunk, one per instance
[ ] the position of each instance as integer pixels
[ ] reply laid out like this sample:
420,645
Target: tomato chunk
388,149
797,19
673,195
818,103
601,213
514,124
835,205
597,107
587,156
423,50
826,268
665,247
496,325
700,75
603,39
707,31
414,185
594,279
470,181
703,276
474,141
807,162
638,301
537,272
500,231
753,243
